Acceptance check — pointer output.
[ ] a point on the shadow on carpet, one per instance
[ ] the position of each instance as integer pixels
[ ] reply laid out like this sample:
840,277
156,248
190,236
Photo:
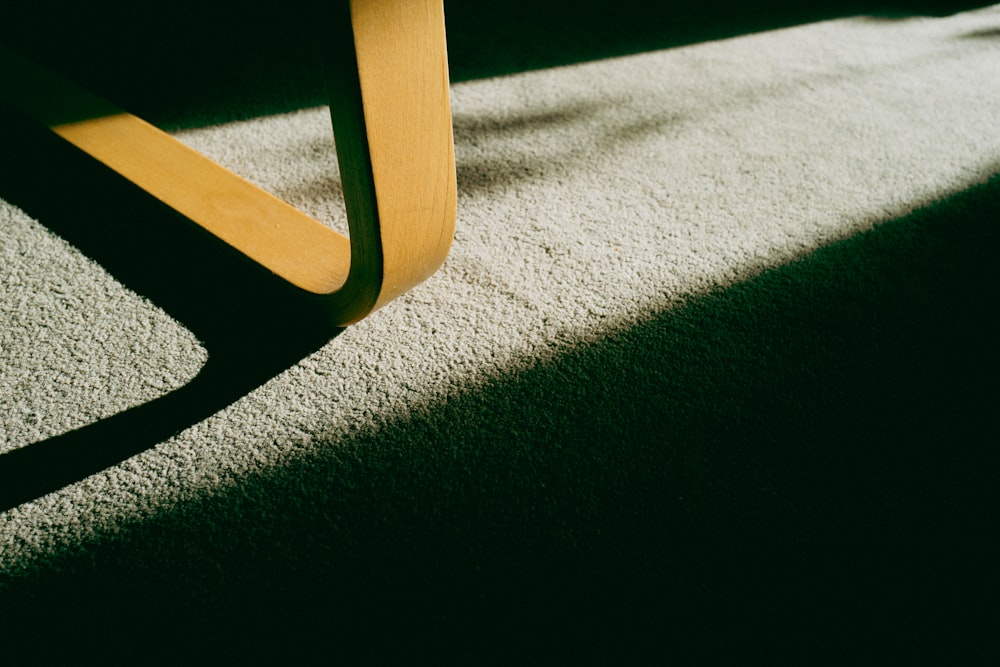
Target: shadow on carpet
193,64
252,324
804,459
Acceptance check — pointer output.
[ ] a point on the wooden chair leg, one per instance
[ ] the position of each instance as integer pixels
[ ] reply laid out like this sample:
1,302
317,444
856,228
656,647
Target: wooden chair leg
391,116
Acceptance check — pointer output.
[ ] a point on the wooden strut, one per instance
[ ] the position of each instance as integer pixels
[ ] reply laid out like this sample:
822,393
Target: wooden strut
391,115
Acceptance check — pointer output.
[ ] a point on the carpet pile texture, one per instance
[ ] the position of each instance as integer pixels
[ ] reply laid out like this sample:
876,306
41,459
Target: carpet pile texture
714,355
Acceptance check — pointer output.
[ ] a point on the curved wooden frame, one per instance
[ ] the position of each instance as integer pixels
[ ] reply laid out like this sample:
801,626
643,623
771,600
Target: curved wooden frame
391,115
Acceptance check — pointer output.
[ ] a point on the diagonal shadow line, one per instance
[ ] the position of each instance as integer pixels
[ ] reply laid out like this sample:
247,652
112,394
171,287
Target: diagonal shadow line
800,450
268,62
253,324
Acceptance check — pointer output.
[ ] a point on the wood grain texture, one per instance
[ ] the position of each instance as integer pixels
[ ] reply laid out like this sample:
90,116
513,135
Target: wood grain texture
391,115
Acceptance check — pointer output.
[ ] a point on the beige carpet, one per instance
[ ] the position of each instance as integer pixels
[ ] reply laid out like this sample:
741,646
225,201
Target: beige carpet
542,409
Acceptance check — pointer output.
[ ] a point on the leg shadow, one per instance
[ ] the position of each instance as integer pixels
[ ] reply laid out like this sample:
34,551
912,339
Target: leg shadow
253,324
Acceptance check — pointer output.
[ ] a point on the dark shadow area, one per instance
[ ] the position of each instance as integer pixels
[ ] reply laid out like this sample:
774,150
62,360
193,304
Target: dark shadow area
806,459
194,63
804,463
253,324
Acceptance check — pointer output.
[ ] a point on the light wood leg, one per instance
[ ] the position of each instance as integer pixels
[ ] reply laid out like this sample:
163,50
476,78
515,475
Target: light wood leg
391,116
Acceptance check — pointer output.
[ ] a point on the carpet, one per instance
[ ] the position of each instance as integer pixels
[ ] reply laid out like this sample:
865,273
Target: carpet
711,364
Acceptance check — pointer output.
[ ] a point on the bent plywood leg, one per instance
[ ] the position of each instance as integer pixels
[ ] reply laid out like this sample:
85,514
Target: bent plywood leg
394,143
392,122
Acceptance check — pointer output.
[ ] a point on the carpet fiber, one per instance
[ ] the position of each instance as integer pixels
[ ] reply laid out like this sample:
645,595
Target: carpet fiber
712,357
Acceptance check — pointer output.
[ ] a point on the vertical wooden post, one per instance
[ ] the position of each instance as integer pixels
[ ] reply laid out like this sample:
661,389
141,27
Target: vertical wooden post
391,110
